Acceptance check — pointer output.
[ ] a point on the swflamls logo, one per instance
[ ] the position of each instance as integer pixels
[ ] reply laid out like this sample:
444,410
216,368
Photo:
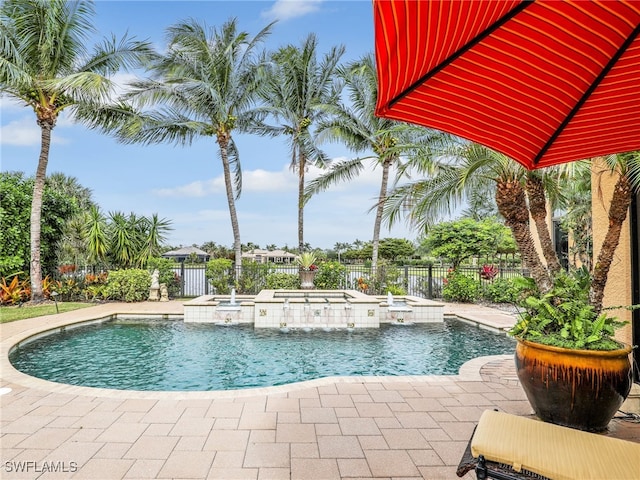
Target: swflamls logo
14,466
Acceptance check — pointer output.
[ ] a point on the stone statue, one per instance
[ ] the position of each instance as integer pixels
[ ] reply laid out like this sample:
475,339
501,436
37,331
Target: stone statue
155,286
164,293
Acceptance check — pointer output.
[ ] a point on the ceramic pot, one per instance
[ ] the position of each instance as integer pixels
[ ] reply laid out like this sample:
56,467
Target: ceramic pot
580,389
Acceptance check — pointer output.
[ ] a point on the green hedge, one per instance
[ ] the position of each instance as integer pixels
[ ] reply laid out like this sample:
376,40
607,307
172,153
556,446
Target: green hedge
131,285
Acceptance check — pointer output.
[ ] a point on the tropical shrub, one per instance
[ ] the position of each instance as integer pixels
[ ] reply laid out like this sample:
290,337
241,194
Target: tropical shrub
330,276
396,290
459,287
16,192
131,285
219,272
564,318
48,286
69,289
502,290
283,281
14,291
389,279
95,286
253,277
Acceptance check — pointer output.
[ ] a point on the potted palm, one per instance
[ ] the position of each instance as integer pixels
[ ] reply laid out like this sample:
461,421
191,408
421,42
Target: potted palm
521,198
307,269
572,369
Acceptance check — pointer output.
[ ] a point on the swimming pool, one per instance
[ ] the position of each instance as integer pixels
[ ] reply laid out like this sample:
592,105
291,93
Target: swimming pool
170,355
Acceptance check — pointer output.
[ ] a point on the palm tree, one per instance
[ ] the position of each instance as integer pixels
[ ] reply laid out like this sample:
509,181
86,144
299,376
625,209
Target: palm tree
520,193
577,220
479,168
361,131
297,86
46,65
627,167
340,247
203,86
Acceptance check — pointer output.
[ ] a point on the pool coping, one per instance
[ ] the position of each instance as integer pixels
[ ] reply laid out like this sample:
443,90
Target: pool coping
21,330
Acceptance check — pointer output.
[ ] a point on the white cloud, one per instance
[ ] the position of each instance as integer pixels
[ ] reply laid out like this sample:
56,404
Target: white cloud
258,180
200,188
265,181
288,9
25,132
10,104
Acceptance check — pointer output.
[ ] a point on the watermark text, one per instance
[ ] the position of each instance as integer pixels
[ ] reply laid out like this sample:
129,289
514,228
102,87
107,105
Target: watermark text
24,466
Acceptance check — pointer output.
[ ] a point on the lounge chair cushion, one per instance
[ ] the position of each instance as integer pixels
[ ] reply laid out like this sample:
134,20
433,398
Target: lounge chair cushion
553,451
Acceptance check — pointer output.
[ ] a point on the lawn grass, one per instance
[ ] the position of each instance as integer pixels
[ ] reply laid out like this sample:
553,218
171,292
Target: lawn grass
10,314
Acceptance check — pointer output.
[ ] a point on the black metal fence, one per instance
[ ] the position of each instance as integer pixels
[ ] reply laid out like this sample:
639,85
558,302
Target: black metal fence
421,281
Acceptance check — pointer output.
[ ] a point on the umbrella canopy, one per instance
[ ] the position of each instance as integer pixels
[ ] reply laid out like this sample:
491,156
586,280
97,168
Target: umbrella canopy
543,82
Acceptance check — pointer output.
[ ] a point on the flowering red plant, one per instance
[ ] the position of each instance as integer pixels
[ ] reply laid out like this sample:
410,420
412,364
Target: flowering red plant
488,272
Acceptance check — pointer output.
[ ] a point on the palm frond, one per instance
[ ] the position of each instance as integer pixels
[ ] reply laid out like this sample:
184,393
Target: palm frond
342,171
234,163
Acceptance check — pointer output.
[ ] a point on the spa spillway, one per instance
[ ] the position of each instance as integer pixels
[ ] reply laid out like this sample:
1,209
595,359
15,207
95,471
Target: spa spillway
312,309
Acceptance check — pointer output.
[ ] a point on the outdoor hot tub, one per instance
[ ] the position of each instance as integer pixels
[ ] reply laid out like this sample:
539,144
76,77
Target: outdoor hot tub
310,309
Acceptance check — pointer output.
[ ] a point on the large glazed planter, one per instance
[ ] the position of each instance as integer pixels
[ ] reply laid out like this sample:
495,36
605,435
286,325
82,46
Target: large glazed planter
580,389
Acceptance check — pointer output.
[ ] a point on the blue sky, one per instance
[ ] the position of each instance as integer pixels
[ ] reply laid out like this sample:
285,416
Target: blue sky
184,184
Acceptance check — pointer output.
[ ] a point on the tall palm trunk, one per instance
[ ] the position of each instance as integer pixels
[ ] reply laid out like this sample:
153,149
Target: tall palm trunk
223,143
46,125
620,202
538,210
510,199
386,164
301,168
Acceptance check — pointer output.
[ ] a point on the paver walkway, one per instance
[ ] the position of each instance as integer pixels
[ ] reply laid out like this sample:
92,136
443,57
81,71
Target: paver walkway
346,427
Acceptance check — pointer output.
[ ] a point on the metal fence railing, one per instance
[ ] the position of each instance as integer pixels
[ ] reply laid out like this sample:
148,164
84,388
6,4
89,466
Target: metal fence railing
421,281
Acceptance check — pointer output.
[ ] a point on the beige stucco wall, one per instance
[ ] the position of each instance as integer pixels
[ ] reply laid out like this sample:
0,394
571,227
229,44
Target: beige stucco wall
618,289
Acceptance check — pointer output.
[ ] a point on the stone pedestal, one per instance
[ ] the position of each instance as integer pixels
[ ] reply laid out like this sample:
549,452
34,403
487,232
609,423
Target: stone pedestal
154,294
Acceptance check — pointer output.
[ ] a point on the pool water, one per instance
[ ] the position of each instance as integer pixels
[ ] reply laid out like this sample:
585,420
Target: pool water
173,355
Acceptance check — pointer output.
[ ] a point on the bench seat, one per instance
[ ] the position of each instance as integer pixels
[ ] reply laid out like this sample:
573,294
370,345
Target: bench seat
531,446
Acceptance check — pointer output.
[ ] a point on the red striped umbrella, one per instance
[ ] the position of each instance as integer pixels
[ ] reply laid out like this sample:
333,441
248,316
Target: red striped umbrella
544,82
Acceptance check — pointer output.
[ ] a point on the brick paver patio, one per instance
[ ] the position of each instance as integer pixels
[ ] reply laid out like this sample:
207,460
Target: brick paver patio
353,427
